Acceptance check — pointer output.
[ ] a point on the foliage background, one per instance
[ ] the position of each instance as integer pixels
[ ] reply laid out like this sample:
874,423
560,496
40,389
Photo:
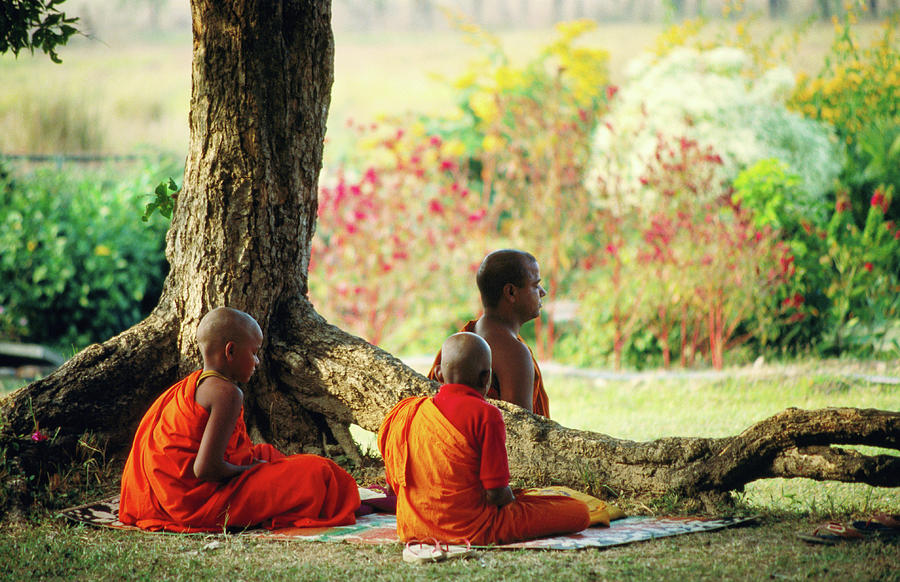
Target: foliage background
503,140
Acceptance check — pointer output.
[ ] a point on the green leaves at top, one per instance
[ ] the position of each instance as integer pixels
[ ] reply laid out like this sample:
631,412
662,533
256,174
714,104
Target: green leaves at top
31,24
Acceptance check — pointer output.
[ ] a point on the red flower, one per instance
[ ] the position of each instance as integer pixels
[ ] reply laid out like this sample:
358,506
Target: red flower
868,266
435,141
436,206
612,249
877,198
611,91
842,205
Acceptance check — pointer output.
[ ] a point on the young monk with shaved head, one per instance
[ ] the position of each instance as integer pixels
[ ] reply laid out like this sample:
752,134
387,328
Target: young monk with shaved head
192,466
510,285
445,457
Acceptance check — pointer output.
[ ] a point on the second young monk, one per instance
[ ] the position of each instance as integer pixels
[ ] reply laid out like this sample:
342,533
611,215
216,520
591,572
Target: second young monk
445,457
192,466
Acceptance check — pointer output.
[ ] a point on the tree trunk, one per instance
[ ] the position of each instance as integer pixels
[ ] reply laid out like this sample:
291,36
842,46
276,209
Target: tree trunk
240,236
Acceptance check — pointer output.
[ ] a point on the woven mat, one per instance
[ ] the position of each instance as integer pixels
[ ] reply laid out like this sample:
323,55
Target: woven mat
381,528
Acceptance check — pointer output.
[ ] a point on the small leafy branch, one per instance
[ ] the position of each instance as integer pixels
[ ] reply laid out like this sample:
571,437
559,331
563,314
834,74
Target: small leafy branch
34,24
164,202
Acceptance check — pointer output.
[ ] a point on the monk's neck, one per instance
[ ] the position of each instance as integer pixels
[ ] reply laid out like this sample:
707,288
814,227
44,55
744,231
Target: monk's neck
499,320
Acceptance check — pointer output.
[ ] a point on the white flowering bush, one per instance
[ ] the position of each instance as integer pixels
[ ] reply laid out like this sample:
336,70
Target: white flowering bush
709,97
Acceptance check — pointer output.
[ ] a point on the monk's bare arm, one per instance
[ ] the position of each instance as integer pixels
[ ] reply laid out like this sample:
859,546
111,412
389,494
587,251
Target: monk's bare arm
500,496
514,370
223,402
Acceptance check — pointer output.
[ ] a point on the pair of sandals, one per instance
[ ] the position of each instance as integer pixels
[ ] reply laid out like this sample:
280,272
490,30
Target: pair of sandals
879,525
422,552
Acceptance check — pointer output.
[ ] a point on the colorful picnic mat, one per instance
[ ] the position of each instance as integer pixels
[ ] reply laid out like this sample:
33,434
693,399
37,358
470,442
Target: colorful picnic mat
381,528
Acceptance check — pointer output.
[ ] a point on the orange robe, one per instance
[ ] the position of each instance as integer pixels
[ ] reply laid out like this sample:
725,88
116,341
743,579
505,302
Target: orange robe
160,491
540,401
434,471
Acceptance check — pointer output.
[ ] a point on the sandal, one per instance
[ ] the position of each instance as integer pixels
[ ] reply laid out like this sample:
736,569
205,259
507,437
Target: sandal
831,533
457,551
418,552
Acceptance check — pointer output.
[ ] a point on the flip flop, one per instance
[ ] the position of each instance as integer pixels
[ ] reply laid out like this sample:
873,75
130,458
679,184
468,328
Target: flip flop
419,552
456,551
831,533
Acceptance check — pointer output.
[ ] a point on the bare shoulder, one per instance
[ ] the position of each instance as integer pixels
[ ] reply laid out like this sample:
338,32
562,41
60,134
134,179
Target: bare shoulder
215,392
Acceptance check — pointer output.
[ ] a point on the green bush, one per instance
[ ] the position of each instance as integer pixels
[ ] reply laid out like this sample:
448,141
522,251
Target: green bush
77,262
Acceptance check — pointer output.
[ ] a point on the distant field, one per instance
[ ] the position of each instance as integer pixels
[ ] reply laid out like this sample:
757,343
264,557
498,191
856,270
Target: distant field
138,94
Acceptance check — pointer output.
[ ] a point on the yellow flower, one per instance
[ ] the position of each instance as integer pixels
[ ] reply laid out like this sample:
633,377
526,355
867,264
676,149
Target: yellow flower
465,80
453,149
484,106
575,28
417,129
102,251
507,78
491,143
31,246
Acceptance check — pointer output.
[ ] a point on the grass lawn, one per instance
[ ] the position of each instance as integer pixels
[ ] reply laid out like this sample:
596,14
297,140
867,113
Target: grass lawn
642,407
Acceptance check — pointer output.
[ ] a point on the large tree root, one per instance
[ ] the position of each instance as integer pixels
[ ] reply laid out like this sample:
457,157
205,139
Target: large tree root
104,389
793,443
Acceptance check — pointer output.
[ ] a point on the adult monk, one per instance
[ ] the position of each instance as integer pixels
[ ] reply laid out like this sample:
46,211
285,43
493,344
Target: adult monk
510,285
445,457
192,466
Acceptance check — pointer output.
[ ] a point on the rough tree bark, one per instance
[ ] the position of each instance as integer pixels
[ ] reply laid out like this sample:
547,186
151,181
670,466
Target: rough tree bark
240,236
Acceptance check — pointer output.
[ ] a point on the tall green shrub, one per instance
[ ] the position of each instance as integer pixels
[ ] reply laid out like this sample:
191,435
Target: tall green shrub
77,263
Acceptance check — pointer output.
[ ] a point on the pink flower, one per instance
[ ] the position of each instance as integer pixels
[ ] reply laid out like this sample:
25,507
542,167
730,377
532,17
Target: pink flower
448,165
611,91
38,436
435,141
477,215
436,206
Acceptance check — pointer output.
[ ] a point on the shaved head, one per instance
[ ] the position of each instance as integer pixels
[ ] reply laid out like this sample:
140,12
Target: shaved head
223,325
466,359
499,268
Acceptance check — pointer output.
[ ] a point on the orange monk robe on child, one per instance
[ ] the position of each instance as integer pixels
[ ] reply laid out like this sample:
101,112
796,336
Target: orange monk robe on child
540,401
161,492
435,467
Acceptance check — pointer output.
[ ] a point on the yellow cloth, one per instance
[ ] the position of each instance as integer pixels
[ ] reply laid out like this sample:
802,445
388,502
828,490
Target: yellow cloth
600,511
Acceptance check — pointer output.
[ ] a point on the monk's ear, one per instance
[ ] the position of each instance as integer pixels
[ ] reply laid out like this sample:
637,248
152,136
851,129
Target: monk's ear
230,350
509,291
439,375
